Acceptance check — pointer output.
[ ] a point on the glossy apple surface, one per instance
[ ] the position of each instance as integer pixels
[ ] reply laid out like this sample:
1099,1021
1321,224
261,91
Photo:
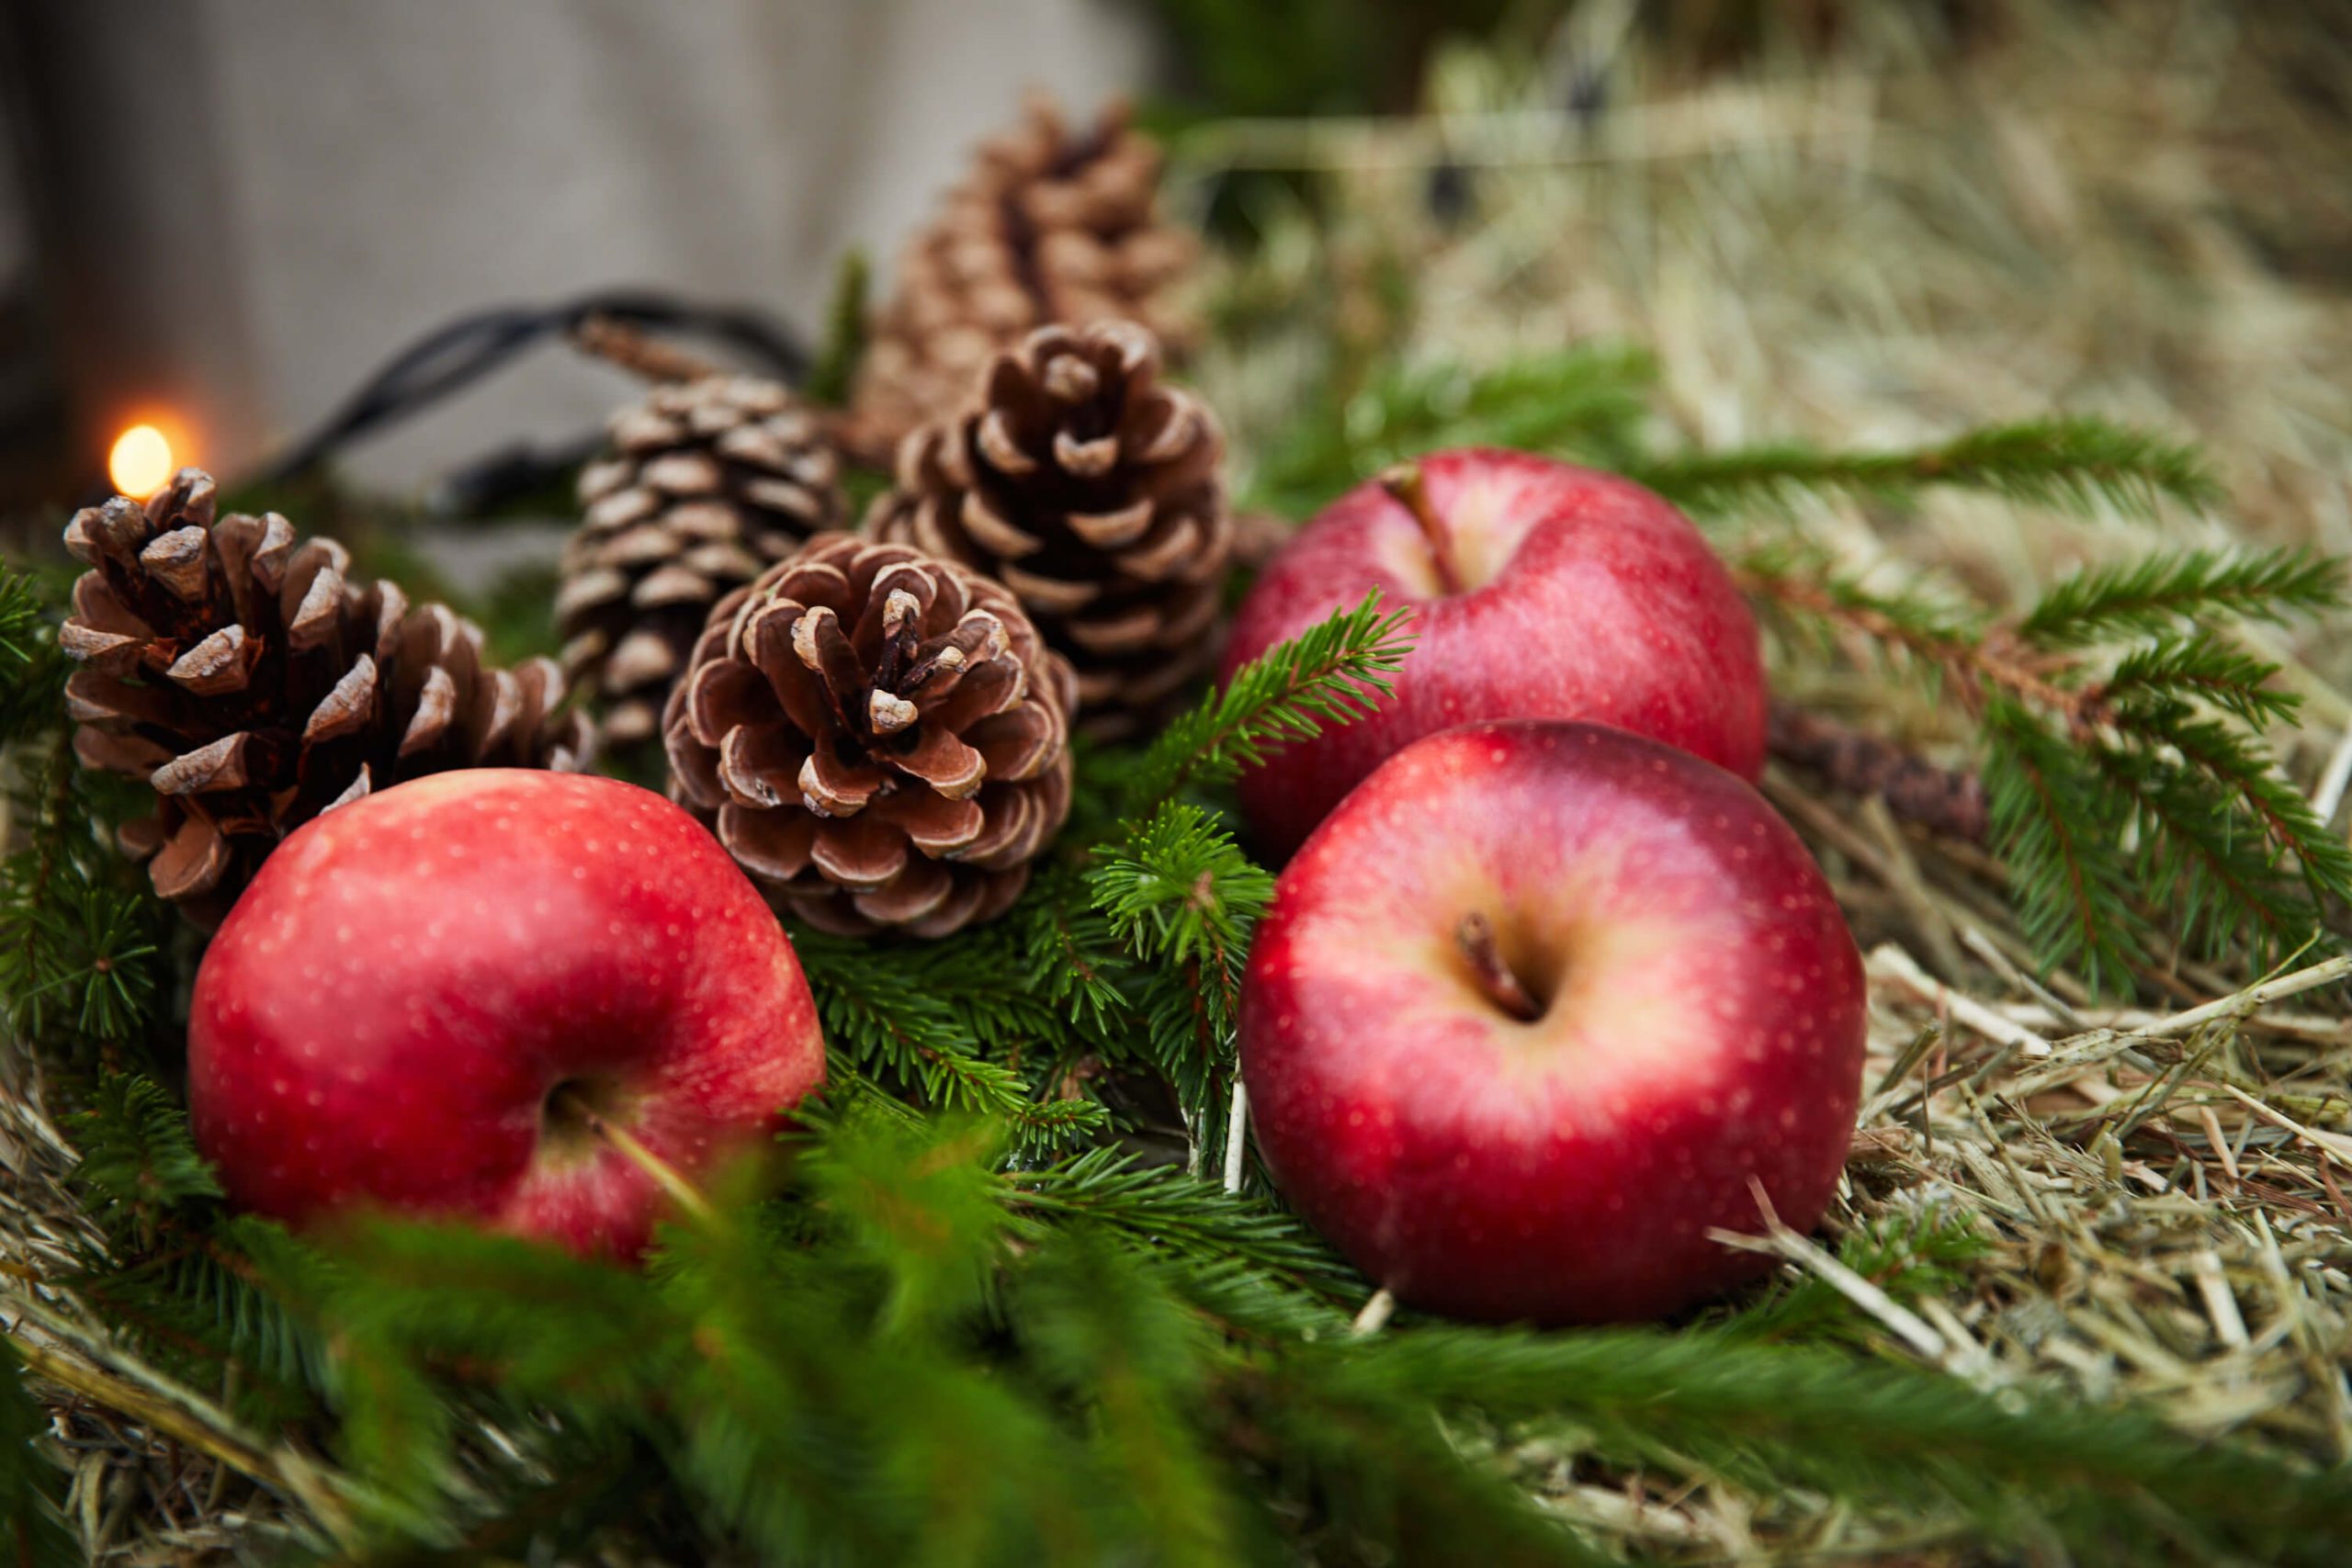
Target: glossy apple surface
1698,1026
421,990
1559,593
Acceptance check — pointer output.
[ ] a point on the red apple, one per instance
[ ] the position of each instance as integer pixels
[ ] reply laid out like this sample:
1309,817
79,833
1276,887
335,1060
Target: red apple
1538,591
481,994
1534,1009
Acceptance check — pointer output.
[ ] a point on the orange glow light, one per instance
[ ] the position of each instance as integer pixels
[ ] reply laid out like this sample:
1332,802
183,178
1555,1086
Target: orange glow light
141,463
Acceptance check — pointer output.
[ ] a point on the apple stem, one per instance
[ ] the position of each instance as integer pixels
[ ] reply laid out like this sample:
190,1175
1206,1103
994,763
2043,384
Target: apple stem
1404,481
685,1193
1475,936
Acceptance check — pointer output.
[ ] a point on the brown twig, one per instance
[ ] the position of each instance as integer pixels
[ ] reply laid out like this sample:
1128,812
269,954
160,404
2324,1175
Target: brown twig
1949,801
1998,659
639,353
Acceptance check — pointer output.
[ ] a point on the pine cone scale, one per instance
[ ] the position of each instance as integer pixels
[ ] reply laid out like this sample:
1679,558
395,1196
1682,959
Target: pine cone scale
191,861
914,891
937,825
859,853
771,845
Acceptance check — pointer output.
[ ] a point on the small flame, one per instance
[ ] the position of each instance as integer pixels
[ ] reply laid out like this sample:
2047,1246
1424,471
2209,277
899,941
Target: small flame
140,462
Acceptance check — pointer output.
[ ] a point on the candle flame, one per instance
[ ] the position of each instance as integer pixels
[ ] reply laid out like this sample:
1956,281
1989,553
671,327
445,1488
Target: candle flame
140,462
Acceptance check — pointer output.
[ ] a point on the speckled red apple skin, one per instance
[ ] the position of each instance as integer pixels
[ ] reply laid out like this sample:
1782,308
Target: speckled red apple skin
1594,599
1707,1032
383,1014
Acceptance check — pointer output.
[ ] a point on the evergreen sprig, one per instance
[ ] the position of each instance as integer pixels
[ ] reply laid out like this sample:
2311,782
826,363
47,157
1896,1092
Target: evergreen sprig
2069,464
137,1152
32,673
945,1023
74,951
1181,887
2168,591
1193,1220
2060,831
2131,790
21,614
2104,1480
1331,673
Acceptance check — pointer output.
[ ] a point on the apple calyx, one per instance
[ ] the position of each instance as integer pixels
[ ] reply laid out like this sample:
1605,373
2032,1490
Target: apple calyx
1403,481
1476,937
571,1106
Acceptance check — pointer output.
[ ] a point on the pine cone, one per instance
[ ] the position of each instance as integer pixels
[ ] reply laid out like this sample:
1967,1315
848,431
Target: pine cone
881,738
254,687
710,482
1092,492
1047,227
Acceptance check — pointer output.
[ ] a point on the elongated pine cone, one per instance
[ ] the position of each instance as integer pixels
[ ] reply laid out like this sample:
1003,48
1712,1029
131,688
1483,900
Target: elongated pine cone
254,686
1050,224
708,484
1092,489
880,738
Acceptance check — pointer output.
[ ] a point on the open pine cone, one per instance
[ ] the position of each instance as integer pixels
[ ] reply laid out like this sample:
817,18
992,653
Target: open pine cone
245,678
1092,489
1049,225
709,483
881,738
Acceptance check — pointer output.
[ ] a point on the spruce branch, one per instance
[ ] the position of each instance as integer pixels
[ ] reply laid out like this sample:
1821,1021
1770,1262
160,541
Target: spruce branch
1180,888
2167,591
73,956
230,1296
1106,1335
2118,710
2279,812
2181,668
2197,858
1949,646
955,1024
1385,1472
1851,1428
137,1152
1921,1253
2060,834
22,610
1186,1218
2071,464
1074,959
1331,673
1183,899
32,670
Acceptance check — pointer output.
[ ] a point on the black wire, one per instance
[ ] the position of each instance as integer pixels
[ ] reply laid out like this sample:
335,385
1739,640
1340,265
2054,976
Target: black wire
457,354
